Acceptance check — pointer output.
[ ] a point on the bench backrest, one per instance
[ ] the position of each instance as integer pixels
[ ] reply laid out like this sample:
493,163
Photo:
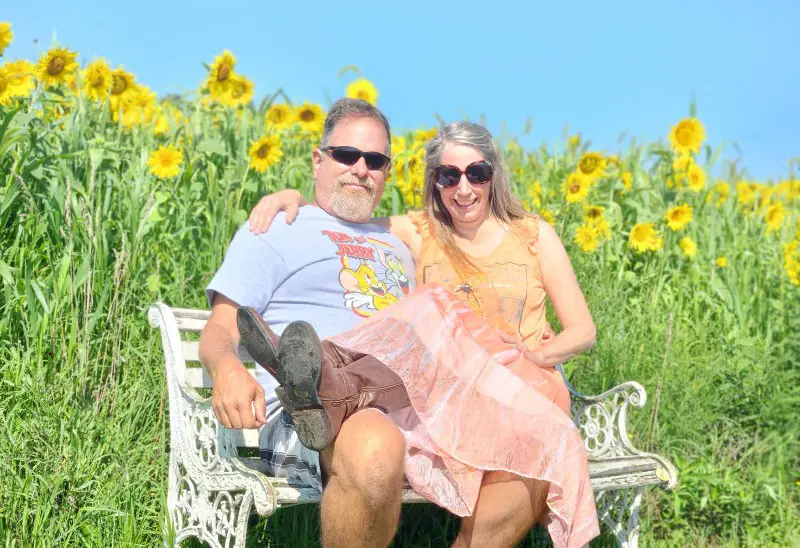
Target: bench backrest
180,336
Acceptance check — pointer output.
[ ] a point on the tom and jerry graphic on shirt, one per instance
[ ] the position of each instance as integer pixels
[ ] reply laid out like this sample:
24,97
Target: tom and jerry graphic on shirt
372,277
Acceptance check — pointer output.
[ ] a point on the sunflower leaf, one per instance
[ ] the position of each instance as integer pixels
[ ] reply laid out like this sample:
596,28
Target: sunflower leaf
212,146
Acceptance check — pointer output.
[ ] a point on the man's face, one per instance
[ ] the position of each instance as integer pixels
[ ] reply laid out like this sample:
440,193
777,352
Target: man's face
351,192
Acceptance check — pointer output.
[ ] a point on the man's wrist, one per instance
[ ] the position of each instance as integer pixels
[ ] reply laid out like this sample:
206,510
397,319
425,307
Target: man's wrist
225,365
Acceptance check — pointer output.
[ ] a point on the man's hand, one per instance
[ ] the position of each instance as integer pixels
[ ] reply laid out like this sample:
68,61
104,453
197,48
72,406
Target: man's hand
235,395
237,398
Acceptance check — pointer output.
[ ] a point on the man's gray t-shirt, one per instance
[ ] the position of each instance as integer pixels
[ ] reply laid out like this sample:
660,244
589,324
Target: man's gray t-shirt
320,269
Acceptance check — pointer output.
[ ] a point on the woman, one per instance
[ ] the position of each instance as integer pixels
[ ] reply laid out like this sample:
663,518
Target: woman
486,267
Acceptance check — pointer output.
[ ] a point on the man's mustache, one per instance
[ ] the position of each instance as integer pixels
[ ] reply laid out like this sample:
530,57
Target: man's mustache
352,181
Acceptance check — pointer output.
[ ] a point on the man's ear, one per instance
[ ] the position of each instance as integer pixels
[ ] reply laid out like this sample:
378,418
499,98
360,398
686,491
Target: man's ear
316,161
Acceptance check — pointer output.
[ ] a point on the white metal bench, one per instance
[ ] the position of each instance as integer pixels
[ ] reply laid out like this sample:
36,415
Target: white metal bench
212,491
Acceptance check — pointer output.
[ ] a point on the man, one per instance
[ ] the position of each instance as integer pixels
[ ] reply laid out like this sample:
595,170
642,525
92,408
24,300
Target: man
298,272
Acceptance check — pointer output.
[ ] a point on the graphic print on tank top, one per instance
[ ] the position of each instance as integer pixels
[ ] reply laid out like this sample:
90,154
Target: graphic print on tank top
498,293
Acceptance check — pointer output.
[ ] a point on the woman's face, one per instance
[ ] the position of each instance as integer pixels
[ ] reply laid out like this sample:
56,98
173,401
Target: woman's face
467,203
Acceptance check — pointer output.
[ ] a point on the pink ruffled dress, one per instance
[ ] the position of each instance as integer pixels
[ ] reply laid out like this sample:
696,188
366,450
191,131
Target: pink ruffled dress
476,404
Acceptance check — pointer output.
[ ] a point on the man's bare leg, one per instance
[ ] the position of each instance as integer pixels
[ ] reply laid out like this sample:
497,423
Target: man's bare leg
362,499
507,509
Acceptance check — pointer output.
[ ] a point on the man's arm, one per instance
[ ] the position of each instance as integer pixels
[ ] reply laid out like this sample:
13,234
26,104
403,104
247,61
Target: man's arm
237,398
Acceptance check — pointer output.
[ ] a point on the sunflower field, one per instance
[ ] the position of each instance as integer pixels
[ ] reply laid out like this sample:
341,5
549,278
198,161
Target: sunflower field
112,198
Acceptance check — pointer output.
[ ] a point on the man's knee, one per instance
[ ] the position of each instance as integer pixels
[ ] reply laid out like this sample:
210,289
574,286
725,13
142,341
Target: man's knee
369,456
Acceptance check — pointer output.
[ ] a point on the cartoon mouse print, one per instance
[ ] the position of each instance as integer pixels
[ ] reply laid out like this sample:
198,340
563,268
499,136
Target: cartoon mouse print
364,289
395,273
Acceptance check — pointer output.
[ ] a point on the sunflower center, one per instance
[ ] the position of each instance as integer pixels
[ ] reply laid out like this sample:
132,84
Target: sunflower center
574,188
593,214
306,115
224,73
118,84
684,135
98,81
263,151
588,165
56,66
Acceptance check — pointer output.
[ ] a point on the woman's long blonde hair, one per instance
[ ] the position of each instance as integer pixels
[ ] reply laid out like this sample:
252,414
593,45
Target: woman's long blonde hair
503,204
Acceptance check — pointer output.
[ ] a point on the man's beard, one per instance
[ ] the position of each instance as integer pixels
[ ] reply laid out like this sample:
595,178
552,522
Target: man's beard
354,206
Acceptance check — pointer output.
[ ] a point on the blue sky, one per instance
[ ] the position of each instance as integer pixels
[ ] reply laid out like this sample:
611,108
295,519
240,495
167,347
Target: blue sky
599,68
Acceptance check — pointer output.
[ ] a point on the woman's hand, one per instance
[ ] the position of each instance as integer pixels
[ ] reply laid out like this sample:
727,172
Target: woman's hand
288,200
535,356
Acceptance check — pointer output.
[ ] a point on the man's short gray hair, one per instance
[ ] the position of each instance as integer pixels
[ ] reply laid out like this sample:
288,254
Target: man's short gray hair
354,108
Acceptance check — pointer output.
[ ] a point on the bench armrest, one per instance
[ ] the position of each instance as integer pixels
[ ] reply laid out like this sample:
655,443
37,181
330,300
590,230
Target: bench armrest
603,423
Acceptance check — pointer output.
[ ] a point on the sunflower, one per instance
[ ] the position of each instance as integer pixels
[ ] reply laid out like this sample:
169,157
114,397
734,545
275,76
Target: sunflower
591,166
410,175
574,141
576,188
601,228
122,82
362,89
425,135
534,193
265,152
399,145
97,80
219,77
687,136
5,87
20,78
645,237
775,216
138,107
240,91
56,66
794,191
696,178
745,193
162,124
721,262
279,116
6,36
592,212
688,247
594,218
311,117
586,238
721,191
165,162
679,216
627,180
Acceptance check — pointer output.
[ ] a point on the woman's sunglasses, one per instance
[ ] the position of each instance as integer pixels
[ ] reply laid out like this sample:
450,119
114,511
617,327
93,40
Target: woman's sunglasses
477,173
350,155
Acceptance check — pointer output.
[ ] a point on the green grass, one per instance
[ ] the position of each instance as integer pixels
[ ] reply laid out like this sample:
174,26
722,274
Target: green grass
88,240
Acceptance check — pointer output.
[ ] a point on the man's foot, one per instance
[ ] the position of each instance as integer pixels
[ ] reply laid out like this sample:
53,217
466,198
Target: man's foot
299,370
257,337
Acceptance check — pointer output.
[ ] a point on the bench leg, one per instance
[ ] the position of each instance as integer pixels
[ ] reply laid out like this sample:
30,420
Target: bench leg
218,517
619,511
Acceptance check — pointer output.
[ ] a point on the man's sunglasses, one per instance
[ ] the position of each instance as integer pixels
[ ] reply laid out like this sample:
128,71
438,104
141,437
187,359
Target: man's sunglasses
477,173
350,155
